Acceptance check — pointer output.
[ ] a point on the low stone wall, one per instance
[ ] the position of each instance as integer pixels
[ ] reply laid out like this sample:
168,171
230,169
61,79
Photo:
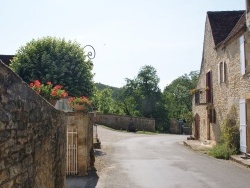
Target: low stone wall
32,136
175,128
121,122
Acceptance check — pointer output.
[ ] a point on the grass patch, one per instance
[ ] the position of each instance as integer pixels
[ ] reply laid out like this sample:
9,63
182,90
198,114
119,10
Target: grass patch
145,132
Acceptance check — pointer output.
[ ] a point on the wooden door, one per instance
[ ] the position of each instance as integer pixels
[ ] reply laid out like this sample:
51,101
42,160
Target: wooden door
197,127
248,126
243,125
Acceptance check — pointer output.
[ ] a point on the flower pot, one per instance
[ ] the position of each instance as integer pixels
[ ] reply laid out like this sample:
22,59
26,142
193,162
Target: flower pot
79,107
52,102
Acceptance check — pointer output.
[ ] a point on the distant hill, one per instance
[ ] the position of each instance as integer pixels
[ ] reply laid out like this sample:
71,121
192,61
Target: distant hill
116,91
101,86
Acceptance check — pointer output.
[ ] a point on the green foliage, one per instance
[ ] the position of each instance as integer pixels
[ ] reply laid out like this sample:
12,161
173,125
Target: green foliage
230,137
146,132
222,151
177,98
104,101
145,91
116,92
57,61
143,98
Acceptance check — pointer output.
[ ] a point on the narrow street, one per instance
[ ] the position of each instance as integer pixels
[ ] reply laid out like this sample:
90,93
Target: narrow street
145,161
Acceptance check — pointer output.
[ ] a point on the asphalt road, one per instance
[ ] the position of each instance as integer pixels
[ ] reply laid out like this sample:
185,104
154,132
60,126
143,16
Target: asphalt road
129,160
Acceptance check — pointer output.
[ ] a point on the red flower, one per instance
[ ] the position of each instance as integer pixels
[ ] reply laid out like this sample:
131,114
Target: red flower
37,83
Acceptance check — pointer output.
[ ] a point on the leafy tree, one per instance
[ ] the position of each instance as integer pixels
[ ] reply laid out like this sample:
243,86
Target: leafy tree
58,61
144,89
142,97
178,98
104,101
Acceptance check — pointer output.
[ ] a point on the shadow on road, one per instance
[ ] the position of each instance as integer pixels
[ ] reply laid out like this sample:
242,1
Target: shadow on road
89,181
93,178
99,153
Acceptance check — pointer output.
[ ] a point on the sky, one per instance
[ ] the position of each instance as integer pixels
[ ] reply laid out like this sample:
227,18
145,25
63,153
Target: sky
126,35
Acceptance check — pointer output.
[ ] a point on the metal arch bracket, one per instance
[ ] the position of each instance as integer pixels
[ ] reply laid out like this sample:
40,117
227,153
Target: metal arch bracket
90,54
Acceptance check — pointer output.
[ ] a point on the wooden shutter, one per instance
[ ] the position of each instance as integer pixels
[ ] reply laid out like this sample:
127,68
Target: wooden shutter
242,56
209,97
243,125
223,71
218,73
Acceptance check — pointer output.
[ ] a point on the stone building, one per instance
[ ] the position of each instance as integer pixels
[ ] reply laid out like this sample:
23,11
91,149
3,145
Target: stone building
224,76
6,58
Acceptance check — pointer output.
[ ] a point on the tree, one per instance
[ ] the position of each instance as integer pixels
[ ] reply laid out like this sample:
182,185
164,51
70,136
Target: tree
57,61
178,98
144,89
142,97
104,101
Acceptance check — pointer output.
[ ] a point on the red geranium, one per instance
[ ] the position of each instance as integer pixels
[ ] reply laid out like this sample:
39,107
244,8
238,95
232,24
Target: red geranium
48,91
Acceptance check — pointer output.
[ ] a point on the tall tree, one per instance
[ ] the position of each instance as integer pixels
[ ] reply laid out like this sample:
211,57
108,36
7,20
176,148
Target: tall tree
58,61
146,97
178,98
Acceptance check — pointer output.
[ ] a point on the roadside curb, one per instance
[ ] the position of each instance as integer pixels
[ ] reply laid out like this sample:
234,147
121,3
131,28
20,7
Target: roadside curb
197,146
241,159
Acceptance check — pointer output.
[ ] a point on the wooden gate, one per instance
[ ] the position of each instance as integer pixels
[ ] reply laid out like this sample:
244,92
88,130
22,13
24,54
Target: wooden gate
71,166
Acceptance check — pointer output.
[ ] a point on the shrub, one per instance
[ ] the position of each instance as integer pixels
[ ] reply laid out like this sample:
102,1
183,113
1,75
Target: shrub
230,137
222,151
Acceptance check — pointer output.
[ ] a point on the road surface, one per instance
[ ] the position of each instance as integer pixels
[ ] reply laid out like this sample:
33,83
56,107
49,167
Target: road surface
129,160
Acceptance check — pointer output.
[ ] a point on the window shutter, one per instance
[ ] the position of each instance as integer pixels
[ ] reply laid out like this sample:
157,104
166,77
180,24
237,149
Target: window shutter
242,56
218,73
223,72
243,125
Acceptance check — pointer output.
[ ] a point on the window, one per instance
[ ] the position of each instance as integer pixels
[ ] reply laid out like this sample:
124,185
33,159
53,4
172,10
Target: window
222,72
212,116
242,56
197,98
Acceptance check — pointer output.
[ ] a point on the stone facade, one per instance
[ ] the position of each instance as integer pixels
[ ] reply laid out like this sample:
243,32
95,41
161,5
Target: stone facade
228,85
83,124
32,136
122,122
248,14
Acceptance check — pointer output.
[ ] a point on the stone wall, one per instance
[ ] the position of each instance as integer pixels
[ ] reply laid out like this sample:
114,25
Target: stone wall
175,128
32,136
83,123
121,122
226,94
248,14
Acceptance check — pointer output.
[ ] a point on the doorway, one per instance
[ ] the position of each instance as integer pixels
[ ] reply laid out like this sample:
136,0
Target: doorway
197,127
248,125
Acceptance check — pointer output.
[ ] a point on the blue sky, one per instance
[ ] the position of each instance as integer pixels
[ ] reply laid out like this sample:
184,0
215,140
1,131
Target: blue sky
125,34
